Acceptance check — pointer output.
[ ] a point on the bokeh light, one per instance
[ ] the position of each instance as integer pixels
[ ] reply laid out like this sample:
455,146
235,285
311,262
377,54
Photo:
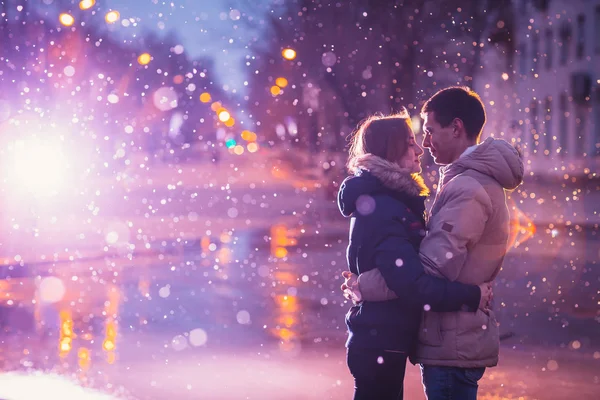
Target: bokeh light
51,290
281,82
66,19
205,97
112,17
230,122
144,59
252,147
288,54
275,90
239,150
248,136
224,115
86,4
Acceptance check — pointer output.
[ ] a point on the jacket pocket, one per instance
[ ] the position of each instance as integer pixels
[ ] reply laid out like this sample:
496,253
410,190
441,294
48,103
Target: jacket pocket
477,336
430,332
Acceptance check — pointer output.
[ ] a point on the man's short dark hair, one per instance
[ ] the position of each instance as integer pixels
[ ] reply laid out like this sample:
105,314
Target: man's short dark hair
458,102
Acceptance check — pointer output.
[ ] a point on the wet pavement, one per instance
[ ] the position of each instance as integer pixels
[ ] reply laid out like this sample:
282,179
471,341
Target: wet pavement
231,291
258,314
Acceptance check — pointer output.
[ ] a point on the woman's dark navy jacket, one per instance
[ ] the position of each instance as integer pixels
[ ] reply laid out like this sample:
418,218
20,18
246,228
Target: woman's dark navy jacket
386,230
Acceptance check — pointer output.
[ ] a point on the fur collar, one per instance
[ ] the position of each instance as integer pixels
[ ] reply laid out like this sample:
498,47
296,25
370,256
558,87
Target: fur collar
392,175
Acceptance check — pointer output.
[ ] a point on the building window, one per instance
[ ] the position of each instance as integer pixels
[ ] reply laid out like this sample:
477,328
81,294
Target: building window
523,7
523,59
533,126
597,29
564,123
580,36
549,46
565,43
580,128
548,124
535,49
596,141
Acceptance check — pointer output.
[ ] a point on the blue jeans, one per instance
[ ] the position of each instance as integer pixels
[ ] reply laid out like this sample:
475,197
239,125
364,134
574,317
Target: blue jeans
450,383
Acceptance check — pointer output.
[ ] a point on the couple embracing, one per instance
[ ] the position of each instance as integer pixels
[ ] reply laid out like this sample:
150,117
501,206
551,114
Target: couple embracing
421,281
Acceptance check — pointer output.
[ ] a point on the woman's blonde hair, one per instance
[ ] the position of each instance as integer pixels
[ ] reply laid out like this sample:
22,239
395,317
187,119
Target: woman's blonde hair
384,136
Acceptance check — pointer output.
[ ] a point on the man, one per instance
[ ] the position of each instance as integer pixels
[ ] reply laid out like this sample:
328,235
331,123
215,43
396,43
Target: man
467,238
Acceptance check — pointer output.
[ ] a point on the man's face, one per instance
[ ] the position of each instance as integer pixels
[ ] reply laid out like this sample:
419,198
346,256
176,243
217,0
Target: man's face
440,141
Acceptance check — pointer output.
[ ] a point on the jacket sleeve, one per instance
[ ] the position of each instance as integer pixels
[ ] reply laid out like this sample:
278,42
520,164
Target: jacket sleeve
459,223
402,271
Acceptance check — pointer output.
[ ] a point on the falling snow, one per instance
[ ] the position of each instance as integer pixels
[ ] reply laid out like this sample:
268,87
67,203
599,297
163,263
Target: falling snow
170,170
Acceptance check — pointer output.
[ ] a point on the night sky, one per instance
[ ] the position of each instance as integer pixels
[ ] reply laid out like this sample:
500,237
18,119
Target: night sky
204,27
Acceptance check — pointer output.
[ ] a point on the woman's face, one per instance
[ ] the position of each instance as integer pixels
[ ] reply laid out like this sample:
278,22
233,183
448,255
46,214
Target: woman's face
411,160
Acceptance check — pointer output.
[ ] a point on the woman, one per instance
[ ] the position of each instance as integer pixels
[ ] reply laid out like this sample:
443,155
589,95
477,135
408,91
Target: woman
386,200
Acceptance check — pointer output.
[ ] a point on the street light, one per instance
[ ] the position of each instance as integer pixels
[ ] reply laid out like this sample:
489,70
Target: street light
288,54
66,19
224,115
86,4
205,97
144,58
112,17
275,90
281,82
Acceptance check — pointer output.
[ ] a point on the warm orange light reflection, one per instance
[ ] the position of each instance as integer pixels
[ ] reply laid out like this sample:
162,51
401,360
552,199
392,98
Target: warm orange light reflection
522,227
286,334
215,106
204,243
287,320
287,304
287,277
144,287
205,97
85,359
65,345
280,252
178,79
108,345
230,122
225,255
66,19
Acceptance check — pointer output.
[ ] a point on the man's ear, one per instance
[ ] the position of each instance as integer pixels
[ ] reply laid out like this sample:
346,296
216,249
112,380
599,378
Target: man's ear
458,126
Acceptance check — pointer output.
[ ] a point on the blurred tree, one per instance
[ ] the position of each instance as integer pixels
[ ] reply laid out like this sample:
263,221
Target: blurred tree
364,56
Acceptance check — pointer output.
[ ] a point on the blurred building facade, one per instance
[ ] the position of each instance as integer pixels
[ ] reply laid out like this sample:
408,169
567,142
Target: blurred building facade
547,94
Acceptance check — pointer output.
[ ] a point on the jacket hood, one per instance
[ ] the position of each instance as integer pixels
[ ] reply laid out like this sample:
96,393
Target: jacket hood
494,157
376,175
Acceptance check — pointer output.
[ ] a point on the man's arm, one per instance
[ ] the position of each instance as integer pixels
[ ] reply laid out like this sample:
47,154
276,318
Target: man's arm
460,221
402,271
458,224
